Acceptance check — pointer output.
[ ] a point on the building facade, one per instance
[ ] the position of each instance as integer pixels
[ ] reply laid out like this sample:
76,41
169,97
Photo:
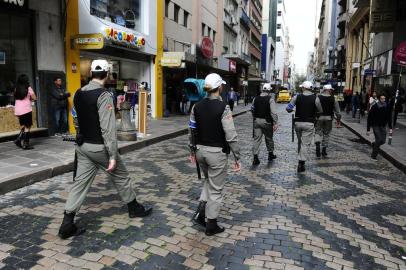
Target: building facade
269,14
31,44
280,43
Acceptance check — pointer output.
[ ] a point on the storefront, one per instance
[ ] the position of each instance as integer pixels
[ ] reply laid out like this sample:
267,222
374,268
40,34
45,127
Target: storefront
16,57
119,31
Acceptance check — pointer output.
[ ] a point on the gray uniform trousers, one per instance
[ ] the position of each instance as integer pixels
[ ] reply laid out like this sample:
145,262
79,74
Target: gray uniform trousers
261,127
91,158
305,133
213,163
323,130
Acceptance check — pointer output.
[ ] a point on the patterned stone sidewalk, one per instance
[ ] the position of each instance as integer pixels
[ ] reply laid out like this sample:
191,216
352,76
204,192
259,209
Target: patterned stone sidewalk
345,212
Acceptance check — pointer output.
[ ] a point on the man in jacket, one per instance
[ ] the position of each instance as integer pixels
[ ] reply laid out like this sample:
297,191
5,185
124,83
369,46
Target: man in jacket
59,103
379,117
212,135
324,123
307,107
265,122
97,148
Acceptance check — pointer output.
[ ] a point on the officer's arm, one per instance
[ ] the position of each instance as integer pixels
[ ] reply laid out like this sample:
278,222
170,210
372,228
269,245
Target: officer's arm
273,111
291,105
253,107
231,133
192,128
75,118
318,106
107,118
337,110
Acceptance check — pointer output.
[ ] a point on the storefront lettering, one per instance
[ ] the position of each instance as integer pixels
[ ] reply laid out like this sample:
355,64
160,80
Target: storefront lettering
19,3
124,37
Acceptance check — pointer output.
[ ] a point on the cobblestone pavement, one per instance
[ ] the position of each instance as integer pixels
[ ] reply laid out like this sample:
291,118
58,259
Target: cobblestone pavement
345,212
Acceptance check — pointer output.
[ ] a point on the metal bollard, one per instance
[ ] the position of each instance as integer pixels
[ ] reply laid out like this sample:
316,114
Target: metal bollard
126,131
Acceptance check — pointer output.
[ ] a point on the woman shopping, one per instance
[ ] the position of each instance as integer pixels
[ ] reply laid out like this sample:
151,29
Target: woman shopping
24,95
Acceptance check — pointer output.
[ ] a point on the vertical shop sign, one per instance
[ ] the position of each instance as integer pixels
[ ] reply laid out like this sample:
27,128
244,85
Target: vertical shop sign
383,16
142,112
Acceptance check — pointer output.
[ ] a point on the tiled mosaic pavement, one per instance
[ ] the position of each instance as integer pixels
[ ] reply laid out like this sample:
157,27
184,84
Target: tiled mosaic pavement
345,212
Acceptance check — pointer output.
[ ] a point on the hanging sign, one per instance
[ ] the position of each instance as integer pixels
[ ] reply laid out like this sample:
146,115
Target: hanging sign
207,47
400,54
233,66
124,37
89,41
15,3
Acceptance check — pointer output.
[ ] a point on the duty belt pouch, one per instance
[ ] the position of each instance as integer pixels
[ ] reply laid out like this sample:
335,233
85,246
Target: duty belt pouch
80,139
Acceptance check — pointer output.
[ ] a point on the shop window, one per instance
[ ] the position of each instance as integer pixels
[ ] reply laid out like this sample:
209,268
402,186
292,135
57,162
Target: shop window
203,29
279,13
278,39
185,18
208,31
278,26
126,13
167,2
176,13
214,36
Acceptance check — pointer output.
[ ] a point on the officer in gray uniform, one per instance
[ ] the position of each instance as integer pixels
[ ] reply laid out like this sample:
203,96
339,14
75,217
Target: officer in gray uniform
324,123
95,124
307,107
212,135
265,122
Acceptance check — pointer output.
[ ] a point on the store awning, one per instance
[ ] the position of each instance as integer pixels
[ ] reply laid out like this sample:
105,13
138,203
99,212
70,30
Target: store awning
177,59
240,59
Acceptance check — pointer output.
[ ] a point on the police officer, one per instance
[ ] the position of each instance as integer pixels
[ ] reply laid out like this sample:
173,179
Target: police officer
265,122
307,106
95,124
324,123
213,134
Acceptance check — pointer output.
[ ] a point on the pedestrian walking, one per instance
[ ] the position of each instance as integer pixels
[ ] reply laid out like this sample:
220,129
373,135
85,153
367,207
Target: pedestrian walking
24,95
379,117
399,100
307,107
59,105
324,123
265,122
372,100
95,124
355,102
232,98
212,136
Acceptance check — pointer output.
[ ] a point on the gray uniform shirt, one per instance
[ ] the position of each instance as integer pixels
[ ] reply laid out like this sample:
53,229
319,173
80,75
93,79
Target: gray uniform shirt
107,119
336,110
272,107
228,127
306,92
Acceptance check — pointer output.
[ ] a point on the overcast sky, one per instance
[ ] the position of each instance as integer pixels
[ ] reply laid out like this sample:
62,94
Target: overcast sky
301,16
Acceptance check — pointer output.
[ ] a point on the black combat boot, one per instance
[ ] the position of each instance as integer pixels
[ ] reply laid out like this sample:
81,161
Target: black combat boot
256,161
324,151
137,210
199,217
271,156
212,228
26,141
301,166
17,141
68,227
318,149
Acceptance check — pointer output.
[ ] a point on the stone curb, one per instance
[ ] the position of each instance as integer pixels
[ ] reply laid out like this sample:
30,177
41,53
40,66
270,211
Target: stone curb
13,183
385,150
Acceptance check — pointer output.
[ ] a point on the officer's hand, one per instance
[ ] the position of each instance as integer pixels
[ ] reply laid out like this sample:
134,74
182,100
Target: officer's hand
192,158
236,166
275,127
112,165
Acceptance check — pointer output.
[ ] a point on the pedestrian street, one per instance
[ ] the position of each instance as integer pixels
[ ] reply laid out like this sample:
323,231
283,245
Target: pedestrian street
345,212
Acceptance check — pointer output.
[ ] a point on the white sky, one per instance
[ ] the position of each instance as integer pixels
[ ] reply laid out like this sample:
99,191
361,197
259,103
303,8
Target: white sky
301,16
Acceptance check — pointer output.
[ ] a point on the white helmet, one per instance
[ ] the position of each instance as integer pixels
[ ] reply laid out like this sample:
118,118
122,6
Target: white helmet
327,87
99,65
307,85
266,87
